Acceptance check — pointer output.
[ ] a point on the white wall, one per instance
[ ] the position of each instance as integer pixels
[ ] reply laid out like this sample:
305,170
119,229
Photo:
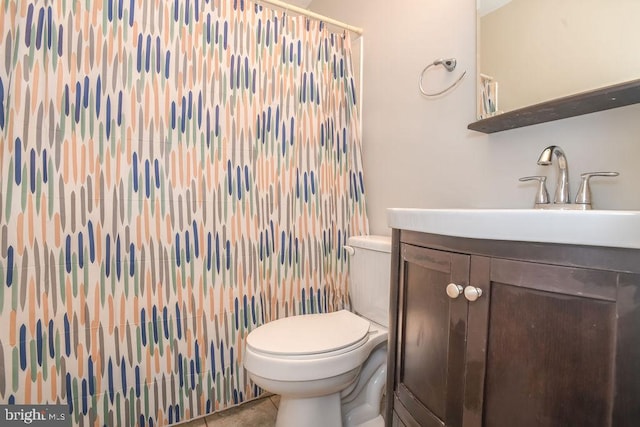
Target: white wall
419,153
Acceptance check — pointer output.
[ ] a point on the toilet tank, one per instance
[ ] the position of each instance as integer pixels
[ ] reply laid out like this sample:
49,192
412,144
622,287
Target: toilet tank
369,277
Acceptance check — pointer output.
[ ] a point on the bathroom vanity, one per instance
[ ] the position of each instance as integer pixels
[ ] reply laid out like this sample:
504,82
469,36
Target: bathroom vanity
496,332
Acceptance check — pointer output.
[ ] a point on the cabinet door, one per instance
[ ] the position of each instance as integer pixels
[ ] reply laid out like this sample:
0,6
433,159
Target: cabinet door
431,336
547,336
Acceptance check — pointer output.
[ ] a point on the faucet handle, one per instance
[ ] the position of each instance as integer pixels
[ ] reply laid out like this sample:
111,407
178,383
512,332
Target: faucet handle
584,192
542,196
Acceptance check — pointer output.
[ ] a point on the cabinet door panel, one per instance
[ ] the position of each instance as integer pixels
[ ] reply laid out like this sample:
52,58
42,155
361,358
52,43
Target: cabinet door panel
433,332
549,355
626,411
426,337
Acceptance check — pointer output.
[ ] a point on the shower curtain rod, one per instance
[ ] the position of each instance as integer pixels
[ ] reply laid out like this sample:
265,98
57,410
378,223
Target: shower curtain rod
305,12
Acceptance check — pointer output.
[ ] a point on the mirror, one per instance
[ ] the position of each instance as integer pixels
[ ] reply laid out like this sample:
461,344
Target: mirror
531,51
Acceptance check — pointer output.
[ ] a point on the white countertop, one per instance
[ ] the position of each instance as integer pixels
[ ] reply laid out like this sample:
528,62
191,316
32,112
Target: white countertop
593,228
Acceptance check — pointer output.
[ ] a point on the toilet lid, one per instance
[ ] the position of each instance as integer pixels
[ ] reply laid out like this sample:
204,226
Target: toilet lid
309,334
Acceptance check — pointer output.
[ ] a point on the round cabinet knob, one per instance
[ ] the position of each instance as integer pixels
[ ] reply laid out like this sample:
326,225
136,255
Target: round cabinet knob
454,291
472,293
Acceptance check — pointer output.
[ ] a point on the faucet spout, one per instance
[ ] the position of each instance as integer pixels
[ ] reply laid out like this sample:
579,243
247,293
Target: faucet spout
562,186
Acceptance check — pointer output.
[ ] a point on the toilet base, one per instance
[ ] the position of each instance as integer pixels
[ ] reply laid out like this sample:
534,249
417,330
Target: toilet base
319,411
361,405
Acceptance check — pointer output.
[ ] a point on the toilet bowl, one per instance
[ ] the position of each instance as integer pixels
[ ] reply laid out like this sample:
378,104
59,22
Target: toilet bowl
309,360
329,368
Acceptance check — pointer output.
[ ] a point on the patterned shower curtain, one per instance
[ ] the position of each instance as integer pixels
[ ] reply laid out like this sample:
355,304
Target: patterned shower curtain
173,174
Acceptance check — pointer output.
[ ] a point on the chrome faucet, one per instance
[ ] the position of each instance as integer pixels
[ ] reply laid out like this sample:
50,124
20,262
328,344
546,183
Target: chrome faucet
561,198
562,186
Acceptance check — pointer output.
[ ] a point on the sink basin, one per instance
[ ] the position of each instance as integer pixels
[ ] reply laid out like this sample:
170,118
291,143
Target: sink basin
593,228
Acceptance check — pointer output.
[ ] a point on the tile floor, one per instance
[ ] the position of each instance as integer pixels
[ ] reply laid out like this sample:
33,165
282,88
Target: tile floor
257,413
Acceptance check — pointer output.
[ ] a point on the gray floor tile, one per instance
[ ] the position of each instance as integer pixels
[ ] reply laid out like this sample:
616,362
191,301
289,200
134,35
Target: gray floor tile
275,399
257,413
199,422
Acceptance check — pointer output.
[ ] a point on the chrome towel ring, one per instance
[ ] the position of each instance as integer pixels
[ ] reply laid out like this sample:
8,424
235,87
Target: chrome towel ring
449,65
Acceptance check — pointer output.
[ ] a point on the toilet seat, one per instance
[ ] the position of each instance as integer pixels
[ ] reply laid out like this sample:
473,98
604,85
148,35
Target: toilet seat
348,340
312,335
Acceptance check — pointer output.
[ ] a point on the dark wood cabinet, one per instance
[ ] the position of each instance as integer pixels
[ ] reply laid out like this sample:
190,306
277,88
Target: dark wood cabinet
430,368
553,339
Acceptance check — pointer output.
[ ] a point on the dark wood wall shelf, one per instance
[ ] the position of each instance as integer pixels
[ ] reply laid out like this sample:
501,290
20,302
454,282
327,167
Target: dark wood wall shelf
602,99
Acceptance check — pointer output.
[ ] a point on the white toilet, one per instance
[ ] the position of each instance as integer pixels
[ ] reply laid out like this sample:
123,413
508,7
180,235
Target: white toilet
330,369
